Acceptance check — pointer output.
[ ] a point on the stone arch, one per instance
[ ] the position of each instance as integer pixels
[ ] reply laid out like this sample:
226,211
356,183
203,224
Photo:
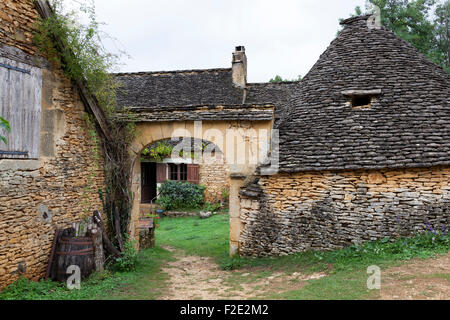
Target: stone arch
242,136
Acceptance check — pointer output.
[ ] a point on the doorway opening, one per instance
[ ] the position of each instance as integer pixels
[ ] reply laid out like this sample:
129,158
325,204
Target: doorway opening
148,182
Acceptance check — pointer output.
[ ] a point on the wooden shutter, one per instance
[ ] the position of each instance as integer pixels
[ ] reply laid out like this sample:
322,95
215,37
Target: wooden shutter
193,173
161,172
20,104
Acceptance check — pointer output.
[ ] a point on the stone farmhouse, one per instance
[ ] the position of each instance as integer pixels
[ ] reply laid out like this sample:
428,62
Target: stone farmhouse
362,145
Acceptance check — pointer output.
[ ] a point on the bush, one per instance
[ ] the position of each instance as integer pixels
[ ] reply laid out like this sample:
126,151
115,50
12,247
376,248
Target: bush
211,207
128,261
179,195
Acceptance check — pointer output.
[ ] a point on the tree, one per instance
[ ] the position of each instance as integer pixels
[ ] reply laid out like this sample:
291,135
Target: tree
4,124
279,79
442,53
412,20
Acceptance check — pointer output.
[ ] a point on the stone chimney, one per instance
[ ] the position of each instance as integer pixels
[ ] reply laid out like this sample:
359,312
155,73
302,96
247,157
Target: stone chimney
239,67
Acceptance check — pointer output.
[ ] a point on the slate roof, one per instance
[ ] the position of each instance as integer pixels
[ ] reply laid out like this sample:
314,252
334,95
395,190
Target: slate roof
153,90
277,94
177,88
407,126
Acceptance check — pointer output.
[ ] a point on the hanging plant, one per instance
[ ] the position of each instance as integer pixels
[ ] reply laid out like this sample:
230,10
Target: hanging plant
159,152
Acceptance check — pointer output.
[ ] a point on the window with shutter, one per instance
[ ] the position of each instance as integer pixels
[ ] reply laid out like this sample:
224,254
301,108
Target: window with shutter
161,172
193,173
20,104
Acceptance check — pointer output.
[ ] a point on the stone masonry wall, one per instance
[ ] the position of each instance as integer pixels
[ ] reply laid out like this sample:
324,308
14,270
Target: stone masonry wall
216,178
17,19
59,188
323,210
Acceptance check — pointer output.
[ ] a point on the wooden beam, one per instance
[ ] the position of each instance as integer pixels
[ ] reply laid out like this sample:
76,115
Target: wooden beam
45,10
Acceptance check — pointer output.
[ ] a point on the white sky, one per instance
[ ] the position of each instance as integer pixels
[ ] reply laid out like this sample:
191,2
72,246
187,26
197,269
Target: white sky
284,37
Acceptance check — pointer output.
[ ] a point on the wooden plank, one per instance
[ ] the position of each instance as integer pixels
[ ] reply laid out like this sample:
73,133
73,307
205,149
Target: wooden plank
193,173
106,242
4,101
161,172
99,255
52,254
20,104
16,54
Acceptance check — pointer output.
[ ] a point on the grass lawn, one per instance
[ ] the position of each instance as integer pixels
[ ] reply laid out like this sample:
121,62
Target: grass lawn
145,282
344,270
200,237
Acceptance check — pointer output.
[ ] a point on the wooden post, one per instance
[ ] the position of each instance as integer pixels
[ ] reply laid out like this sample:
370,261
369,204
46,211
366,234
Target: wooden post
99,255
52,254
108,245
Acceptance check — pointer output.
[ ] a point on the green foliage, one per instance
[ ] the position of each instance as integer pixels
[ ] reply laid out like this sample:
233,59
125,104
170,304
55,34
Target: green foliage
80,51
159,152
4,124
179,195
423,23
97,285
144,282
211,207
128,260
352,257
279,79
225,194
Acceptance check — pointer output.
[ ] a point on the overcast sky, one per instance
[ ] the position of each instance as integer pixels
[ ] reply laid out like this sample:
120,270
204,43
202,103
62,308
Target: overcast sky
284,37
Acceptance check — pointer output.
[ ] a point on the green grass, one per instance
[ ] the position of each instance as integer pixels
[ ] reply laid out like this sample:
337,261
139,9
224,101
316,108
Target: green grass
195,236
145,282
345,269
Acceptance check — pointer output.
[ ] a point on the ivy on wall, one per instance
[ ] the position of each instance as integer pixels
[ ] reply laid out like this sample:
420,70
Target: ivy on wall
4,124
77,48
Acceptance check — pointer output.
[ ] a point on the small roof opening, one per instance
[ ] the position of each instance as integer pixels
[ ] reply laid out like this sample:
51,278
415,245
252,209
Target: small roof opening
361,101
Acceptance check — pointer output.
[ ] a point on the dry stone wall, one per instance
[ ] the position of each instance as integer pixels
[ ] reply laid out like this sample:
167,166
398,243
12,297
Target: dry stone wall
323,210
216,178
17,19
59,188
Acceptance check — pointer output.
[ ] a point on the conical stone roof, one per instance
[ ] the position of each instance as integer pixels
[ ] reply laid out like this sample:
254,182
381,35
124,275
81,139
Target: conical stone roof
406,125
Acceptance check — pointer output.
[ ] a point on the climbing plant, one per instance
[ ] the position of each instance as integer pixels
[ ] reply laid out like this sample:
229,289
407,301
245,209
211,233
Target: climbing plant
77,48
4,124
159,152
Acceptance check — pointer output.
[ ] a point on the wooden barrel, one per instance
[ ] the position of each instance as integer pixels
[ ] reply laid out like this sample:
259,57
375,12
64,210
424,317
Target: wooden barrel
78,251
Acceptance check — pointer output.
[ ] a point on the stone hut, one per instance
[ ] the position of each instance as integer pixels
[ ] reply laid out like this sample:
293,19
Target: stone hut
49,174
364,150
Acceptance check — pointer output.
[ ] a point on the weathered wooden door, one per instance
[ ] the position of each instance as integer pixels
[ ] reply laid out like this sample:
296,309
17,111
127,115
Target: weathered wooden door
20,104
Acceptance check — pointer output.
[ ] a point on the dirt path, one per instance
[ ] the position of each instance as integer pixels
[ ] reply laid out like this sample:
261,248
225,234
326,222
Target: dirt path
200,278
418,279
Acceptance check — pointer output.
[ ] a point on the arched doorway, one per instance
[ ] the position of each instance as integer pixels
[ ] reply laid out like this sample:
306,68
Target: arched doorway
240,142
